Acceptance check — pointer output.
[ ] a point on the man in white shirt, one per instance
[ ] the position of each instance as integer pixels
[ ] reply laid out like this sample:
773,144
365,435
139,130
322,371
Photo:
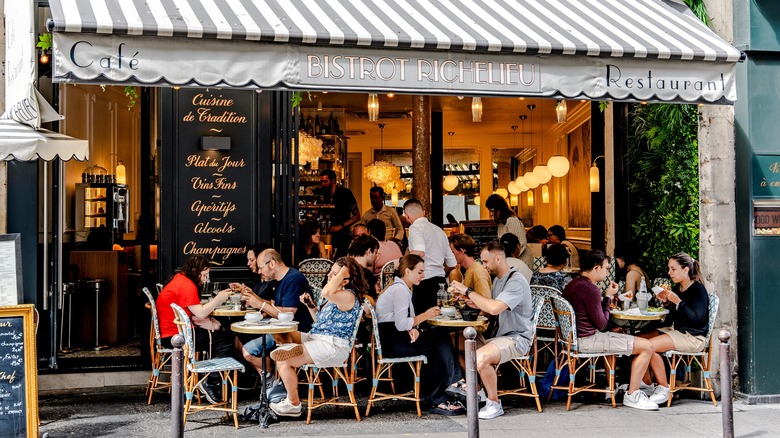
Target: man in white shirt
429,242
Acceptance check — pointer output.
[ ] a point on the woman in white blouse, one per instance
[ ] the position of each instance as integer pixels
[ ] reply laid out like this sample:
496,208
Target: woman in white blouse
403,335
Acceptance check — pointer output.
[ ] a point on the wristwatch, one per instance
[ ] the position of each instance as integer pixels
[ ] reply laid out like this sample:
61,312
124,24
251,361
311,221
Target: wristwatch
468,291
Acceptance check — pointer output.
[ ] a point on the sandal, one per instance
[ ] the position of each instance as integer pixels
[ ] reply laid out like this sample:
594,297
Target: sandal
457,390
449,409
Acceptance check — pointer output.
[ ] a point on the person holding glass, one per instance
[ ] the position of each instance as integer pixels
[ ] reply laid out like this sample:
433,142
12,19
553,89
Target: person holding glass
688,305
402,336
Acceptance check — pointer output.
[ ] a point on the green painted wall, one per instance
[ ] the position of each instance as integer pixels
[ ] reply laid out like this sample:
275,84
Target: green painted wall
756,25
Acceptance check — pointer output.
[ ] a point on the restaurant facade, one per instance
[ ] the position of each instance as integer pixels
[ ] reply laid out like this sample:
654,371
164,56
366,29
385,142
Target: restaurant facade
210,141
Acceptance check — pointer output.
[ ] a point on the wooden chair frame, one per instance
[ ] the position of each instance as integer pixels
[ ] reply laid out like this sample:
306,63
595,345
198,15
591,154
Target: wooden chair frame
161,357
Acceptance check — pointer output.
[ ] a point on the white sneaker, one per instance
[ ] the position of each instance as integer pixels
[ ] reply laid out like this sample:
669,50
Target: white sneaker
639,400
285,408
660,395
491,410
647,389
286,352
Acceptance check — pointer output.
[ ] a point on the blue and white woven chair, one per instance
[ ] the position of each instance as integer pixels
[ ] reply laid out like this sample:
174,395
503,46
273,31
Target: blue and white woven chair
570,356
539,263
160,356
526,364
383,365
388,272
546,325
316,273
702,358
342,373
227,367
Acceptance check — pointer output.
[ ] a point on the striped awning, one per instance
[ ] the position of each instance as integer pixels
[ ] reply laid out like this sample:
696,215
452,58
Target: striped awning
599,49
21,142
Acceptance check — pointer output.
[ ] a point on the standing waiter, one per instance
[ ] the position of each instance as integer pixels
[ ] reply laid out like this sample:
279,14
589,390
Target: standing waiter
344,215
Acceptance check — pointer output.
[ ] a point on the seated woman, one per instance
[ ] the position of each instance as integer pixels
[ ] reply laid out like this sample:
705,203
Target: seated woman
182,289
552,274
327,343
688,305
312,246
402,336
556,234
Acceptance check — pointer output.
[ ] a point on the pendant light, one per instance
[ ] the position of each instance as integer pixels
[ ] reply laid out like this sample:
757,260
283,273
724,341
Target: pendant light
530,180
476,109
381,172
451,181
560,110
373,107
545,194
595,176
558,165
530,198
512,187
541,172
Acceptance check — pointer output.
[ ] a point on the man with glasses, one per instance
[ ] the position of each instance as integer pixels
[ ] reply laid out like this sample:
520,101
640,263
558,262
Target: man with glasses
291,284
592,315
429,242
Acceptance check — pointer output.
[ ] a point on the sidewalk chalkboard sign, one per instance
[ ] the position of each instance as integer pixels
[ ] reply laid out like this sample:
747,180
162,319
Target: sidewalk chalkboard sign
482,232
18,372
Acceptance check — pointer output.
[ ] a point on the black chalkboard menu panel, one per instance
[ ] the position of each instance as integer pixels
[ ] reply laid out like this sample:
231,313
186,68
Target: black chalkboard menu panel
481,231
18,373
215,178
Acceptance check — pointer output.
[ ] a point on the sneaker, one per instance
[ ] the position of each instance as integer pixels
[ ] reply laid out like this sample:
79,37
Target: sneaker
639,400
647,389
660,395
286,352
285,408
491,410
207,391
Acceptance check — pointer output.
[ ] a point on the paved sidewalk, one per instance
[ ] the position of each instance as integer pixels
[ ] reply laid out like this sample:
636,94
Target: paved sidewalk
124,412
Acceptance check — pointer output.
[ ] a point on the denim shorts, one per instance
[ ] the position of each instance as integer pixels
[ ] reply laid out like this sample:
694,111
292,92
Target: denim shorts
255,346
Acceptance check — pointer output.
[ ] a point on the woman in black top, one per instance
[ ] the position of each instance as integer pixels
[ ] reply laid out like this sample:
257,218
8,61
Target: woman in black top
688,305
312,246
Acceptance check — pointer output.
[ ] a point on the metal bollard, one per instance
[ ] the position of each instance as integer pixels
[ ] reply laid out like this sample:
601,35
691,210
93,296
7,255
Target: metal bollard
472,401
177,409
726,406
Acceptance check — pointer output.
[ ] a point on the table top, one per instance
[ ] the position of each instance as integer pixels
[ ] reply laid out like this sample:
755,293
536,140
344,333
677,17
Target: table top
444,321
230,311
263,328
634,315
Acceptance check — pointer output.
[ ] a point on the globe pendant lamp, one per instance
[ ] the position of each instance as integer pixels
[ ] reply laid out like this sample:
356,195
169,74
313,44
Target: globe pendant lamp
504,193
521,185
530,180
451,181
513,188
542,173
381,172
558,165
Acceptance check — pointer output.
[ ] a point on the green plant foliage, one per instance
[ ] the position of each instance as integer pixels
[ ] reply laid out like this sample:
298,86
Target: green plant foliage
132,96
44,41
664,182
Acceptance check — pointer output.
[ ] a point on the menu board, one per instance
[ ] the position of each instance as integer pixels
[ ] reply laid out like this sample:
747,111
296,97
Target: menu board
10,270
18,373
482,232
214,176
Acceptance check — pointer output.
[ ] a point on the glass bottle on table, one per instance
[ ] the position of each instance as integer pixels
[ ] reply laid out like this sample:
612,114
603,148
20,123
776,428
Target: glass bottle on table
442,296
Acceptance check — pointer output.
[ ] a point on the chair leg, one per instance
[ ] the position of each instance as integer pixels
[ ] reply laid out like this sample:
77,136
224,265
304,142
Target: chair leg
572,373
310,377
234,397
374,383
673,365
610,364
416,387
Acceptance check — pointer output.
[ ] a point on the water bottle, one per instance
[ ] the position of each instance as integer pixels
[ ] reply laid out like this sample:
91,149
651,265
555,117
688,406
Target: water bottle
442,296
642,297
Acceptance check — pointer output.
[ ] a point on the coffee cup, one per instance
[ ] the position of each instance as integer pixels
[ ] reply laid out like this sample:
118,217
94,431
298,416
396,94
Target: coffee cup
449,312
285,316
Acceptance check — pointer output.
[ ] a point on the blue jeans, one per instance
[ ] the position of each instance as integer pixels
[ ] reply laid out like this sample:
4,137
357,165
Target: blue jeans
255,346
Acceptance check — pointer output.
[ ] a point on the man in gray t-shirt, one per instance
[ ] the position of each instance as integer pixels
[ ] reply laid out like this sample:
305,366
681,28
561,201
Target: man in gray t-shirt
511,302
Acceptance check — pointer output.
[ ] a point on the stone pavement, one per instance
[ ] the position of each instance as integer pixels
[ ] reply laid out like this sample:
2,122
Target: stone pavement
122,411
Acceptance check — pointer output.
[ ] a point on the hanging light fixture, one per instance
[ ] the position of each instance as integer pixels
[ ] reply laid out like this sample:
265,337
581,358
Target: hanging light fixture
504,193
558,165
560,110
540,171
381,172
451,181
373,107
309,149
513,188
530,180
530,198
476,109
521,185
595,176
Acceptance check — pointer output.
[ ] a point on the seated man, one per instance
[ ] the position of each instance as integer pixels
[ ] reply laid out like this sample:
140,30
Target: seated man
291,284
592,315
364,249
511,305
475,276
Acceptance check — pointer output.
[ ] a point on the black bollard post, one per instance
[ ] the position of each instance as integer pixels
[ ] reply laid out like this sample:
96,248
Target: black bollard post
472,401
726,406
177,365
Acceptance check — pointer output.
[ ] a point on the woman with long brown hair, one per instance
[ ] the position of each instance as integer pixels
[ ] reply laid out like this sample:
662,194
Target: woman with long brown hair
507,222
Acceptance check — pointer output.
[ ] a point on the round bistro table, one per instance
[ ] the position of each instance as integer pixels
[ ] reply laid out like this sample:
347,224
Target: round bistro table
633,316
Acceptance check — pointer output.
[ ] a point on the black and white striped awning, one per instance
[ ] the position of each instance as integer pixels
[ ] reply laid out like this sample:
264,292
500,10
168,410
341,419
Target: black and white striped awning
631,50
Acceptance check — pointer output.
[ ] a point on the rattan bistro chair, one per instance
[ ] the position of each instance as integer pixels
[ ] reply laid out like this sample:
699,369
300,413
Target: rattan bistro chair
526,364
571,357
316,273
546,325
702,358
227,367
342,373
160,356
383,365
